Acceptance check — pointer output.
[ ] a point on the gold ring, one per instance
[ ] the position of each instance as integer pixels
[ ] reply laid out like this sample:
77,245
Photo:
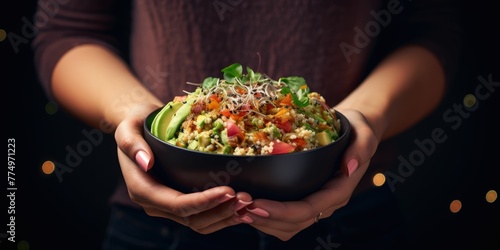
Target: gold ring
316,219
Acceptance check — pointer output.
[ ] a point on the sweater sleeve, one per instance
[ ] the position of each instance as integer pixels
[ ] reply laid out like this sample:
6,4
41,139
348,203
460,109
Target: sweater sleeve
71,23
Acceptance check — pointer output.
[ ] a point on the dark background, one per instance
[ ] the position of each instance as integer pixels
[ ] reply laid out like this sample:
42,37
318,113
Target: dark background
72,213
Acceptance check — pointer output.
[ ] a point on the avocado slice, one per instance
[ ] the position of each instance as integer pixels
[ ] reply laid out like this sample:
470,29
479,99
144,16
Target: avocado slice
162,119
323,138
177,119
223,137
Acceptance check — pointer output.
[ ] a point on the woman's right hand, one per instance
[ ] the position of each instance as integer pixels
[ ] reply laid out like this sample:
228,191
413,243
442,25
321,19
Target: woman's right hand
204,212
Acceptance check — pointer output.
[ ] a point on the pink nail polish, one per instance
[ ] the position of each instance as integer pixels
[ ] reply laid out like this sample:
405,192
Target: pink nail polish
241,204
143,159
245,219
258,211
225,198
352,165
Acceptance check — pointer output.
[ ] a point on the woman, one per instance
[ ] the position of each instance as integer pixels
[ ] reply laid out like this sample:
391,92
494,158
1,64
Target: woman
385,65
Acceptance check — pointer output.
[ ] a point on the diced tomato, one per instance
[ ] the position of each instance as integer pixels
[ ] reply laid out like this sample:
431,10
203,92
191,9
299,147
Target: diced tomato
236,117
225,112
241,113
300,142
287,100
267,108
260,136
286,126
213,105
215,97
280,147
245,107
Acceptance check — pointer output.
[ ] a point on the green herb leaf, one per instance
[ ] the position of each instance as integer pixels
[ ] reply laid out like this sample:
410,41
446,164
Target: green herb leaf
209,82
232,72
300,101
285,90
250,74
297,86
294,82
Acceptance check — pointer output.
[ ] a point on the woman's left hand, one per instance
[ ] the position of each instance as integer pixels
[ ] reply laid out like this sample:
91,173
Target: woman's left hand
286,219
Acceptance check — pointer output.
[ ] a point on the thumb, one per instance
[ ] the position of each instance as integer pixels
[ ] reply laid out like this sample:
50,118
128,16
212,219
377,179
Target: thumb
363,143
129,137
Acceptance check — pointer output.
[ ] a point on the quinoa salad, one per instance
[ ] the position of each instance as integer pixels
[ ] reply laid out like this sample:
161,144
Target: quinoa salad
248,114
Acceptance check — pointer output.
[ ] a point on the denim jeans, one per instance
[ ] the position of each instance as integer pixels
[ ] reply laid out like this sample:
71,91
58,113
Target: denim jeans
371,220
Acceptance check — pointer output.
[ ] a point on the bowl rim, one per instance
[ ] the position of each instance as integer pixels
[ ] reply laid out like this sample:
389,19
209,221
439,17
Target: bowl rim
345,132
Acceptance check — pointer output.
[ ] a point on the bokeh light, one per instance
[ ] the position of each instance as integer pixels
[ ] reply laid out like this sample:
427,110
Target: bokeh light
378,179
470,100
3,35
491,196
51,108
455,206
23,245
48,167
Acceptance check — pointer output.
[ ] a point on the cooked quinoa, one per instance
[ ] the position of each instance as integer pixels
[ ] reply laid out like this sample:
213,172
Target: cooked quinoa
252,114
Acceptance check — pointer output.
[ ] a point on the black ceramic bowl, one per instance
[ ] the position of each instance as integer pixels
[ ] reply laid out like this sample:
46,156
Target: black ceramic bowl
281,177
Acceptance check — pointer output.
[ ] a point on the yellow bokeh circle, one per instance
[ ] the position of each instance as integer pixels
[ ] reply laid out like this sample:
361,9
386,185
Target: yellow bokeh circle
491,196
469,100
455,206
378,179
48,167
3,35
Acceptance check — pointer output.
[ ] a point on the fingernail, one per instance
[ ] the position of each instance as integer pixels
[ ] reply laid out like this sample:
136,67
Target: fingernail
244,219
352,165
258,211
241,204
143,159
225,198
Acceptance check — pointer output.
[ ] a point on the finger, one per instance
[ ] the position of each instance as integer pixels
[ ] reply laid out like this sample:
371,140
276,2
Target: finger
208,221
146,191
285,231
155,212
363,144
289,212
195,221
129,137
334,195
215,215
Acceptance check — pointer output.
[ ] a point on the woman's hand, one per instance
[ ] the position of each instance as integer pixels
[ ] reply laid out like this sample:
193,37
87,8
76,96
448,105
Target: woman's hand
285,219
204,212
